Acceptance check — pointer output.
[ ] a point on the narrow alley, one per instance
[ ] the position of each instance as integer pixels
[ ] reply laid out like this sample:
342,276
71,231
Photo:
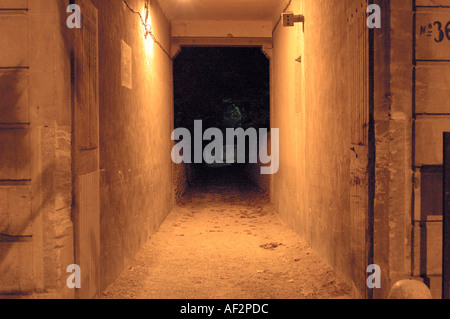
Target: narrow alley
226,241
238,149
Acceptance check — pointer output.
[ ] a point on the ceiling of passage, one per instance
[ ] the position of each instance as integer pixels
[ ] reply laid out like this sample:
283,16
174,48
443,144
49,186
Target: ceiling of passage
223,9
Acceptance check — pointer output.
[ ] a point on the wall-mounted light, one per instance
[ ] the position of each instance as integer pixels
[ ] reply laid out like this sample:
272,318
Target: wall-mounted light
289,19
146,23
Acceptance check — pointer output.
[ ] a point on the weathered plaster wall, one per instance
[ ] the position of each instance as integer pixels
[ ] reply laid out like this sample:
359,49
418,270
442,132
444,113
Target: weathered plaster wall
180,183
184,176
431,115
135,128
312,107
36,231
393,138
254,172
411,113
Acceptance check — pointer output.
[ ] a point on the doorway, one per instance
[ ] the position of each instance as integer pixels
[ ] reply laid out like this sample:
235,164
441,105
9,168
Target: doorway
224,88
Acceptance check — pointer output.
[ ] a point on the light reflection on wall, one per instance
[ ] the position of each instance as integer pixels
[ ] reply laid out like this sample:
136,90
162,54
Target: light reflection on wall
148,40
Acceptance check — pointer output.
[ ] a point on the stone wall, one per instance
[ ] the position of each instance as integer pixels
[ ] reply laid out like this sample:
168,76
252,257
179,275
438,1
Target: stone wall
316,97
36,231
411,98
431,115
136,119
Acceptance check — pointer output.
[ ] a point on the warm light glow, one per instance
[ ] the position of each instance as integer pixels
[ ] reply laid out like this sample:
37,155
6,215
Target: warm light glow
147,30
147,24
147,21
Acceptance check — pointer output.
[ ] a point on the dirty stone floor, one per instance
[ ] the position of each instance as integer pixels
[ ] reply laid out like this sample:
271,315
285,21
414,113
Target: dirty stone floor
225,241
